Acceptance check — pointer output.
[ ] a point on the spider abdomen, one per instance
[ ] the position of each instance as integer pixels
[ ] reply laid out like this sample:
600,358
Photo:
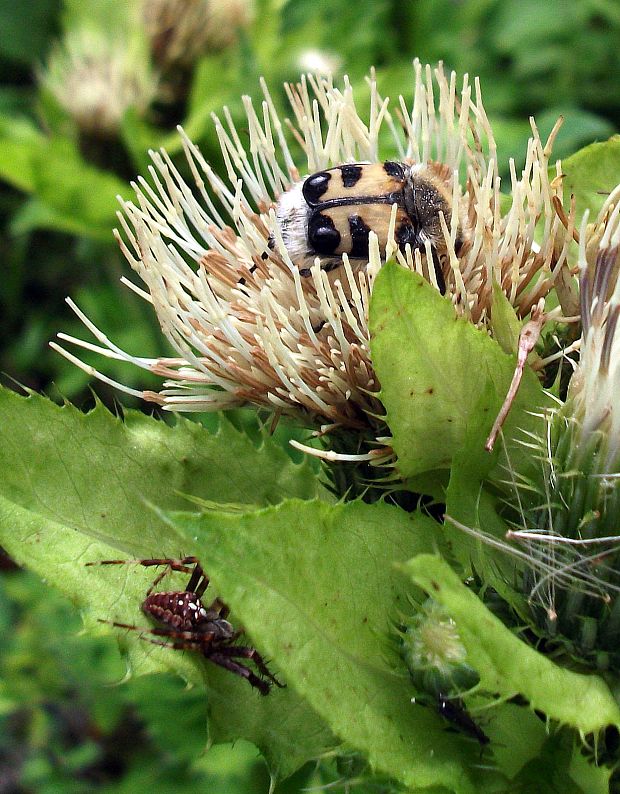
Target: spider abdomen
181,610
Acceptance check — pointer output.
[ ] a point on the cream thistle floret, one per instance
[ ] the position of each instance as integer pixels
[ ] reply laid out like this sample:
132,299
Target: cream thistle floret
246,326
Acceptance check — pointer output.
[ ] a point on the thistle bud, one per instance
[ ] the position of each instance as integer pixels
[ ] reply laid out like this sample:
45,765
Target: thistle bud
180,31
434,654
96,80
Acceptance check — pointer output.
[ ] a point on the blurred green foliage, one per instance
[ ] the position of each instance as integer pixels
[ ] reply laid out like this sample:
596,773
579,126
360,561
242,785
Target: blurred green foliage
63,726
67,724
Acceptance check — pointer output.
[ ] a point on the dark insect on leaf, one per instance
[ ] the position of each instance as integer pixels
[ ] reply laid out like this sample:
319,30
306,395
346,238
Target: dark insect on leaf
186,624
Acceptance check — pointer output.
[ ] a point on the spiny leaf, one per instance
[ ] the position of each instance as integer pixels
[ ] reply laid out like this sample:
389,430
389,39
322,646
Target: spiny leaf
96,473
507,665
74,490
20,141
315,585
283,726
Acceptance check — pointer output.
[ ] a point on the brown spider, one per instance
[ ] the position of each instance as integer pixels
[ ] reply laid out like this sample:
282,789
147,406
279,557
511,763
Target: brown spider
189,625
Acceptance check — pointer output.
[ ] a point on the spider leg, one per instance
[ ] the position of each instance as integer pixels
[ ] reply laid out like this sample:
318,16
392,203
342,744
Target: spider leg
157,580
198,581
222,660
221,608
177,646
171,565
198,641
181,565
176,565
245,652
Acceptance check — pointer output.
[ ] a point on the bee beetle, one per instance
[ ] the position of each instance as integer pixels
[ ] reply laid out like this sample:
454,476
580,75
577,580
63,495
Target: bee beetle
332,212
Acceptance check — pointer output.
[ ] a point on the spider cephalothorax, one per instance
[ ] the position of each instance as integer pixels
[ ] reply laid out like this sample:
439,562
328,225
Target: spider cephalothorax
186,624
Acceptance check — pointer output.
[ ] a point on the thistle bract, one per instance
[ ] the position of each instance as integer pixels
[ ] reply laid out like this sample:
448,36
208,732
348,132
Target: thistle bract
566,516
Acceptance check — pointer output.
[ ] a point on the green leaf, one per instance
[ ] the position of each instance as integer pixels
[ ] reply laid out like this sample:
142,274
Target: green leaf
285,729
69,194
506,665
591,174
75,190
315,585
34,215
438,373
96,473
549,772
25,29
592,778
506,324
472,501
138,137
74,490
20,142
471,504
516,734
109,15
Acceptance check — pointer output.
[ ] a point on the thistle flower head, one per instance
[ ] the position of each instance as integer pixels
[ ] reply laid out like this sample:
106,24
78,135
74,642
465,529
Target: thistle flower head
97,79
249,321
563,517
595,385
180,31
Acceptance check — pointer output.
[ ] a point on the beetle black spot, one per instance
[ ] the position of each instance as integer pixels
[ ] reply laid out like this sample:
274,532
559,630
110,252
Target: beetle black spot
359,236
351,175
323,237
394,169
315,186
406,234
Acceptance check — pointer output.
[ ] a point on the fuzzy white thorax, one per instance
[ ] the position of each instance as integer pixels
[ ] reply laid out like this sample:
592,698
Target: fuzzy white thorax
292,214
